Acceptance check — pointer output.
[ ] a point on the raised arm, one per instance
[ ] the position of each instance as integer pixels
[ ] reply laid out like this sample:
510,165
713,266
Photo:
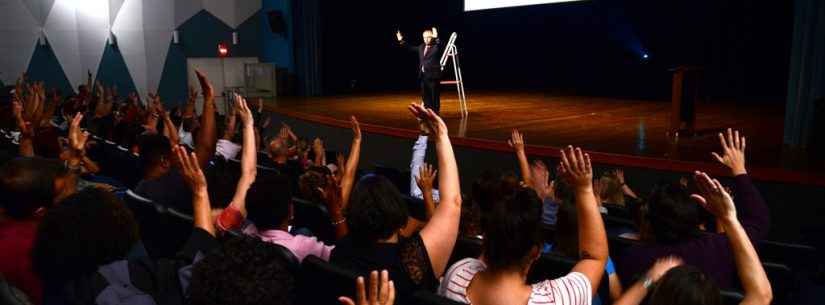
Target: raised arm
637,293
205,144
194,178
26,130
440,233
403,43
713,197
516,142
348,179
578,172
249,156
424,180
752,210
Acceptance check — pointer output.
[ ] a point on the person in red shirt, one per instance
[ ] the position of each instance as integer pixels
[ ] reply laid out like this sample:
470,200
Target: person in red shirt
28,186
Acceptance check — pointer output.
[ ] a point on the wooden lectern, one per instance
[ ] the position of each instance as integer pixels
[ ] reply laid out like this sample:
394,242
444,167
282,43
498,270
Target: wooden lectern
686,89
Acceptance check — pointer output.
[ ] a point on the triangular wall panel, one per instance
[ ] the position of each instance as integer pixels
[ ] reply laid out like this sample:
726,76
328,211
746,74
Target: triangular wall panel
45,67
19,32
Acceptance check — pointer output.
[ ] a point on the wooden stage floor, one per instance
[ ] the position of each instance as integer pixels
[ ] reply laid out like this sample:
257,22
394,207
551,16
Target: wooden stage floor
612,126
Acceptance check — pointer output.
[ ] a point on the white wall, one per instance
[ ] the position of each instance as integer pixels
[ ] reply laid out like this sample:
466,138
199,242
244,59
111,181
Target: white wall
79,29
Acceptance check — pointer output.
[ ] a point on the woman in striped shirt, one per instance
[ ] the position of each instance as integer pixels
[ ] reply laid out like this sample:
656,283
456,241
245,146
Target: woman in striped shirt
513,242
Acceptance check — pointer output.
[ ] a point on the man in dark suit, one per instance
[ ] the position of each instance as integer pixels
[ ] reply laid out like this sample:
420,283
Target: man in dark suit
429,67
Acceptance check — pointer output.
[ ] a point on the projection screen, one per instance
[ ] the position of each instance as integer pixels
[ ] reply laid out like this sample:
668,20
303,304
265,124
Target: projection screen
476,5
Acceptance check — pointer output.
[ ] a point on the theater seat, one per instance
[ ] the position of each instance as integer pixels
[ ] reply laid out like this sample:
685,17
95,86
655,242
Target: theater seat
321,283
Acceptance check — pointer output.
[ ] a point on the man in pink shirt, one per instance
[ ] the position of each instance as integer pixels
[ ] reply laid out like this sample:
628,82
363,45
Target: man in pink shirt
269,206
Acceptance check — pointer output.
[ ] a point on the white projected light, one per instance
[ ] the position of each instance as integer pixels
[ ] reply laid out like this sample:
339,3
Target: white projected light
476,5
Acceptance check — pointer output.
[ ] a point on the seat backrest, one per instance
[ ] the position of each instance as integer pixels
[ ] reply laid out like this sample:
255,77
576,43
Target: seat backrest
322,283
415,207
162,232
795,256
423,297
465,247
315,217
731,297
551,266
783,283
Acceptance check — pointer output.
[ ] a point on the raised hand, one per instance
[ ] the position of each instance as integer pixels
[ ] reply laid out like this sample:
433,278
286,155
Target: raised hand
619,175
243,111
541,179
432,120
318,146
733,152
399,36
662,266
435,33
26,130
206,87
576,168
516,141
356,128
714,198
426,177
77,137
191,170
283,134
382,293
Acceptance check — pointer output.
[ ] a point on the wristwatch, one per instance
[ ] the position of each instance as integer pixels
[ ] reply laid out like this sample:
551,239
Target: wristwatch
647,282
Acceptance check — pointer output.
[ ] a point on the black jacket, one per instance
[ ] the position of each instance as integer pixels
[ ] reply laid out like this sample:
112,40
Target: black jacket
430,62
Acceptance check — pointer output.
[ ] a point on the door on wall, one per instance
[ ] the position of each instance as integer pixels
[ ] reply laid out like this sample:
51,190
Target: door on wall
225,74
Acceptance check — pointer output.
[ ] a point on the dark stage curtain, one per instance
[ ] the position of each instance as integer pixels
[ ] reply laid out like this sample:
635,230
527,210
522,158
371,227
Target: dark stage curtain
308,46
806,84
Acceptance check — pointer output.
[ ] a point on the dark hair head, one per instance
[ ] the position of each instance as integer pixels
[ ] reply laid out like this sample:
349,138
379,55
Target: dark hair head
277,147
512,230
490,186
376,210
244,271
88,229
309,183
612,190
46,143
268,200
567,230
673,216
27,184
153,150
685,285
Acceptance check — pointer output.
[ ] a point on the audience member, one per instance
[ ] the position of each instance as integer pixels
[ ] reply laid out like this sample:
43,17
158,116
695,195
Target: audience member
674,220
675,284
512,242
376,213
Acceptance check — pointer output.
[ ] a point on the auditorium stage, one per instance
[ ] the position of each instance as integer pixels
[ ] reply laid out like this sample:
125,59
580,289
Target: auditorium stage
624,132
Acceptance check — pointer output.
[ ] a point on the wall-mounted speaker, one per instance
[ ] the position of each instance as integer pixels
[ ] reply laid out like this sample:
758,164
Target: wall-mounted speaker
276,22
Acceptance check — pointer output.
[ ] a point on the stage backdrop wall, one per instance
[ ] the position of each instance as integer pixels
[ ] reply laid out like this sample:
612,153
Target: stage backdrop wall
74,38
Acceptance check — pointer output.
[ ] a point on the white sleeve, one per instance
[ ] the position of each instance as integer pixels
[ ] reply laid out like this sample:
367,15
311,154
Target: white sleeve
419,152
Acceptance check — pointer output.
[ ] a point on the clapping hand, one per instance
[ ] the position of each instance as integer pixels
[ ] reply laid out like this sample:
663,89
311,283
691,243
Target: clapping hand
382,293
733,152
